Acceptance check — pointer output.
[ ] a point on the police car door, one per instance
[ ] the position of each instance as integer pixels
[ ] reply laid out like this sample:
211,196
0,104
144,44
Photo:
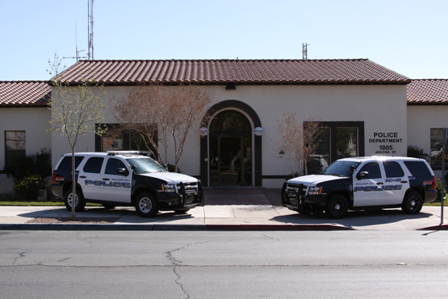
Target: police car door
117,181
396,183
90,178
368,185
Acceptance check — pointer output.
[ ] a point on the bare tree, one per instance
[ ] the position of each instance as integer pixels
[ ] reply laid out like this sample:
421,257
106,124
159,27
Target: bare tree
140,112
75,111
311,131
163,113
298,141
189,104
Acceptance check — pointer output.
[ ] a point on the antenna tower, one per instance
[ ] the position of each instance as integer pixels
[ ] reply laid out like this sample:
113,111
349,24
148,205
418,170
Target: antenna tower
77,56
305,51
90,29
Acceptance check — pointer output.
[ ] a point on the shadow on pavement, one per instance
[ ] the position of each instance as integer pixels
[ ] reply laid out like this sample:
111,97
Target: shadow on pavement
354,218
94,214
235,196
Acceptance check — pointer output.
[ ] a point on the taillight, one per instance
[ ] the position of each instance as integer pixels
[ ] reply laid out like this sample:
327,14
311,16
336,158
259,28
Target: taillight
53,177
56,178
434,185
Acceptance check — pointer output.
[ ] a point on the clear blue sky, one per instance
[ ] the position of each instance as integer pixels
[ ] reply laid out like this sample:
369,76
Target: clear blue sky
407,36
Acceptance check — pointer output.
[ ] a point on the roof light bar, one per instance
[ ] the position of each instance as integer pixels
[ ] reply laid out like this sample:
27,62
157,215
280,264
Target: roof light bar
114,153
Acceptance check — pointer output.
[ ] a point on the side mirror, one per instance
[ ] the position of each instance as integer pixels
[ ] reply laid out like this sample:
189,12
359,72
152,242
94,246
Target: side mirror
122,171
362,175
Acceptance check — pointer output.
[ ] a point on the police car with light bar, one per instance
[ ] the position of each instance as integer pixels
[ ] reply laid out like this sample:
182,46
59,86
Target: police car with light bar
125,178
362,183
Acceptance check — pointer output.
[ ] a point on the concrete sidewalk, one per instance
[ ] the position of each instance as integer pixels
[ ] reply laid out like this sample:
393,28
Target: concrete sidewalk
228,209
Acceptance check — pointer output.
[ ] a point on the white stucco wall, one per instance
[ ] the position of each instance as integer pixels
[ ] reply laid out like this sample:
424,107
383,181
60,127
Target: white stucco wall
382,108
34,121
420,121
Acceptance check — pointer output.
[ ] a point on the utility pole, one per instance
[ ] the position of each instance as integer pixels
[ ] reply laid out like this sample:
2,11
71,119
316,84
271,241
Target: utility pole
443,176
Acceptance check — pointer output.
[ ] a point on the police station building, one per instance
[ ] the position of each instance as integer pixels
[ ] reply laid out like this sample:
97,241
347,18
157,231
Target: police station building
364,109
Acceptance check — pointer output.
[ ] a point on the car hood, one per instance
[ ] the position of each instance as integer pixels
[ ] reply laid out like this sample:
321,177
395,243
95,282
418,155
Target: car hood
172,177
314,179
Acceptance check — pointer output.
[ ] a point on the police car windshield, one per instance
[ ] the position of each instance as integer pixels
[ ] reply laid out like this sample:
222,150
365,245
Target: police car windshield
341,168
145,165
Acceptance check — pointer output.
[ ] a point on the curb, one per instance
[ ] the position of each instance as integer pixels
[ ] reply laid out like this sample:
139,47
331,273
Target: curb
173,227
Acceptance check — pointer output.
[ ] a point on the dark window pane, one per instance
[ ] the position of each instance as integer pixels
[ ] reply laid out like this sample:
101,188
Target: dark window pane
113,165
436,148
15,146
93,165
139,142
112,140
15,140
66,164
230,123
393,169
418,168
347,142
320,161
373,169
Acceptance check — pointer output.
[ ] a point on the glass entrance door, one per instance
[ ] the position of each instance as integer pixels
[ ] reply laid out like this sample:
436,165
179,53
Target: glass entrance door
230,161
230,145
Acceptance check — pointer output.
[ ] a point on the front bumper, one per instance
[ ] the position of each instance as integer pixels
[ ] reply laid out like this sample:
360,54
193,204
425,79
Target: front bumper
309,203
186,199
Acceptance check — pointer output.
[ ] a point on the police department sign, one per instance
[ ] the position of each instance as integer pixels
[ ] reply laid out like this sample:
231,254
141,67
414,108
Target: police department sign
386,141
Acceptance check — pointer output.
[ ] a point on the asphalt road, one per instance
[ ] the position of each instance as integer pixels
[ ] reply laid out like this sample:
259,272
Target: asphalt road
257,264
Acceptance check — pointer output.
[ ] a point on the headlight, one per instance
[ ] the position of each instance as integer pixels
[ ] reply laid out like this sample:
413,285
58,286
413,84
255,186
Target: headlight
314,190
168,188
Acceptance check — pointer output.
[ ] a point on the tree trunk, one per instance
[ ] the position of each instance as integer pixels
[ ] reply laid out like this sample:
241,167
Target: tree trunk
73,184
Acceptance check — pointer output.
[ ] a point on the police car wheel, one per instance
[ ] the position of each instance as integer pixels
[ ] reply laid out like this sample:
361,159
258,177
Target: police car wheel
146,205
80,203
337,207
412,203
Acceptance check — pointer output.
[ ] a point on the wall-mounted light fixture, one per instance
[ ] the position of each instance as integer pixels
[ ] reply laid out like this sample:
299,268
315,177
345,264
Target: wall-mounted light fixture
203,131
230,86
258,131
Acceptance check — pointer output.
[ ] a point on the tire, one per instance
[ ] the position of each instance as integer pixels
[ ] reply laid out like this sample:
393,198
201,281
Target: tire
412,203
181,211
146,205
80,202
337,207
283,194
108,206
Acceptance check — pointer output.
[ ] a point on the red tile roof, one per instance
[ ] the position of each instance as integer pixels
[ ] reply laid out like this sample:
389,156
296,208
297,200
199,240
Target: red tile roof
428,92
217,72
24,93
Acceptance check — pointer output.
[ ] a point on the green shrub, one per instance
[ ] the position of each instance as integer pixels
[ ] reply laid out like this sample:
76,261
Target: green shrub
28,187
38,164
416,152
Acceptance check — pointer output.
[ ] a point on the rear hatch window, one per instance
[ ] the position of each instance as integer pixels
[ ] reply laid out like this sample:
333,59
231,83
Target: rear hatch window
418,168
66,164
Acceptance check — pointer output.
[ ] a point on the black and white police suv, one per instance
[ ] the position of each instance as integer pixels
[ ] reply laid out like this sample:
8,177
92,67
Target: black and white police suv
124,178
361,183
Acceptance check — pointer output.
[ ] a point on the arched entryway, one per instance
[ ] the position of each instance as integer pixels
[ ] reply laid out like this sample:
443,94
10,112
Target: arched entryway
231,153
230,149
